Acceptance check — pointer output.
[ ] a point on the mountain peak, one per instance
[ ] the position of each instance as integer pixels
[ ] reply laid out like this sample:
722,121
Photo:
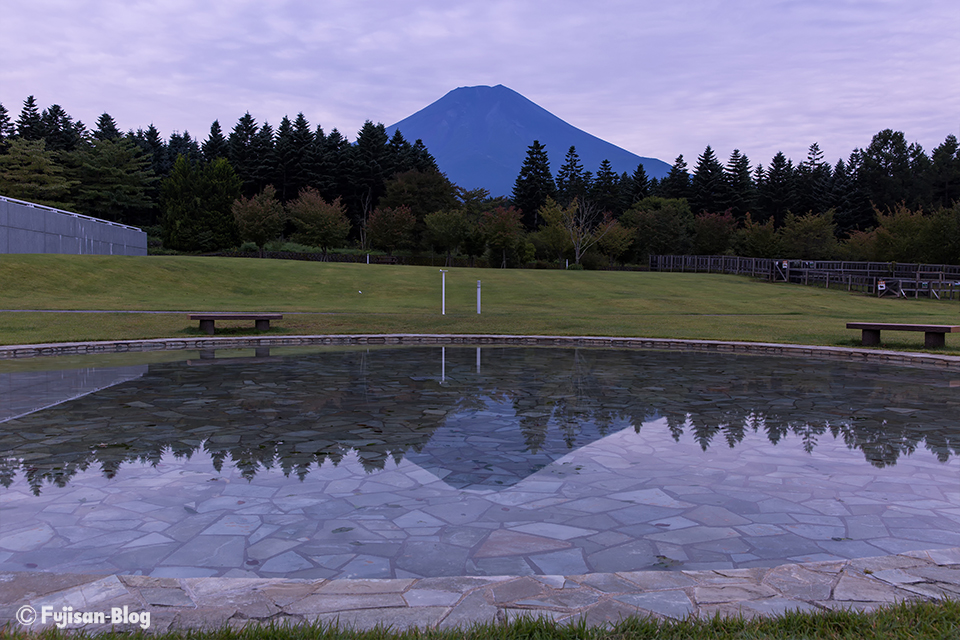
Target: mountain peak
479,136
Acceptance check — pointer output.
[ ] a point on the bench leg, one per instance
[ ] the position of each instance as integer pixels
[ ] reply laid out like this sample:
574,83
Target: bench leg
871,338
932,340
207,326
263,325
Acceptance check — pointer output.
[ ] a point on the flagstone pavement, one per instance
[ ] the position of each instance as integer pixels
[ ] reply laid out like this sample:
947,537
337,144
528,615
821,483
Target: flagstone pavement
597,598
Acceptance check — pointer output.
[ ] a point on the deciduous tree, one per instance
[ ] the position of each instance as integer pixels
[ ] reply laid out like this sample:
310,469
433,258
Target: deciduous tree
445,231
808,237
319,223
390,228
663,226
503,229
260,218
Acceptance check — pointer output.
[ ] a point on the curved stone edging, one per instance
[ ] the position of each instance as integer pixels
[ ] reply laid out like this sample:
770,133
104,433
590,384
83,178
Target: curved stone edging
161,344
598,599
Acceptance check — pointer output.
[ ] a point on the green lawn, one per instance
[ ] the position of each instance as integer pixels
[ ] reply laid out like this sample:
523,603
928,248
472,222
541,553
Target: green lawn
397,299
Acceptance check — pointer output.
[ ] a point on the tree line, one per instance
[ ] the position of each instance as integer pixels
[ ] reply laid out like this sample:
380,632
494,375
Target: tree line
260,185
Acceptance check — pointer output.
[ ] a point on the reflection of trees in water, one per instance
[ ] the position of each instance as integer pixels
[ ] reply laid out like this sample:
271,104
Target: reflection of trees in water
567,395
295,412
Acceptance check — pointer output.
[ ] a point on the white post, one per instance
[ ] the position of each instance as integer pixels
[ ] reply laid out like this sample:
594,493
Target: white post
443,292
368,258
478,297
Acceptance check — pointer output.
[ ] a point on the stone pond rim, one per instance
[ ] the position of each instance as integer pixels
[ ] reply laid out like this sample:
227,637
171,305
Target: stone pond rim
850,354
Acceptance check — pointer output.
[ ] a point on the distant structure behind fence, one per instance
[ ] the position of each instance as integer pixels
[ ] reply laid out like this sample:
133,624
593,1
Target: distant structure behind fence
902,280
32,228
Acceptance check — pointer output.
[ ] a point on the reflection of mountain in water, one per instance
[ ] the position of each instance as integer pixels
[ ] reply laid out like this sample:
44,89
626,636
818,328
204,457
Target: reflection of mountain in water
25,392
491,447
295,411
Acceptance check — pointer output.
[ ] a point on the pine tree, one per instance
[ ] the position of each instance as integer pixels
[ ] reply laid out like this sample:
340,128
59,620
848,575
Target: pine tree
265,157
423,160
241,152
322,162
639,186
944,173
364,171
6,129
777,196
884,173
29,172
533,185
288,161
813,182
116,182
215,146
840,197
59,130
106,128
197,201
182,144
152,144
401,153
336,159
29,124
708,186
570,179
604,194
677,182
740,187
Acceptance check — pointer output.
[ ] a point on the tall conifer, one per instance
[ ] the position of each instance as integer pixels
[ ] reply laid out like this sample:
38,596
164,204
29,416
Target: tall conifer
534,184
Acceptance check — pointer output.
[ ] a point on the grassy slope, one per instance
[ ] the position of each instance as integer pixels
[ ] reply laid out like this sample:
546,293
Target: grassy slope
407,299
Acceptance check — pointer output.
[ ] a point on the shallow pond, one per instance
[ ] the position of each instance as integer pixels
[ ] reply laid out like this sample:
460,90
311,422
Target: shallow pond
429,461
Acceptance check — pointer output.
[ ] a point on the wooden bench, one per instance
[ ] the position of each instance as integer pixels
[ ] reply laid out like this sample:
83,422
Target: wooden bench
261,320
934,335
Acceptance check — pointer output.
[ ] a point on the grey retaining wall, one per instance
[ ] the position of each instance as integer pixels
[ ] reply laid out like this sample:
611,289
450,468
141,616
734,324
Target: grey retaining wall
31,228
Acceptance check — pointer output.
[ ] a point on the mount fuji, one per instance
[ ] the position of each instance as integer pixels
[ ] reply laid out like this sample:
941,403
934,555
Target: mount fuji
480,135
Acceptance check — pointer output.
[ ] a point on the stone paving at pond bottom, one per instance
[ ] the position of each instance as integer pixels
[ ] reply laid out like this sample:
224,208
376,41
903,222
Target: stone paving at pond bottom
597,598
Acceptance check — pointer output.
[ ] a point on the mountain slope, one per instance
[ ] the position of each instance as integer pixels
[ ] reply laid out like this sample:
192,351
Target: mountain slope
479,136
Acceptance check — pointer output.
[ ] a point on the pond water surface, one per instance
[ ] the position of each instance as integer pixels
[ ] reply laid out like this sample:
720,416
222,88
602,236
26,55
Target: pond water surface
429,461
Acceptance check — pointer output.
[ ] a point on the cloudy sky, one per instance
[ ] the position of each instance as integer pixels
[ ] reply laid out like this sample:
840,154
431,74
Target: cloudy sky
656,78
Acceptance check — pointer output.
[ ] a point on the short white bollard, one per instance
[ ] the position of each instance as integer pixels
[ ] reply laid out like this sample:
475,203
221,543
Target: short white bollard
443,292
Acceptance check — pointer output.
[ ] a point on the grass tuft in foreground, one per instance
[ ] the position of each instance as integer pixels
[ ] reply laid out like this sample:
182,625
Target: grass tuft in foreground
922,621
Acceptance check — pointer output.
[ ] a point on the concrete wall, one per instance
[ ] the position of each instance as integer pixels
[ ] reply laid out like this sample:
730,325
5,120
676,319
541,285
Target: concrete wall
33,228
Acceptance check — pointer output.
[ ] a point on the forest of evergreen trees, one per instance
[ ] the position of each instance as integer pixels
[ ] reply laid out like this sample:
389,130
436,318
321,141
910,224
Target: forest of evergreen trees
258,186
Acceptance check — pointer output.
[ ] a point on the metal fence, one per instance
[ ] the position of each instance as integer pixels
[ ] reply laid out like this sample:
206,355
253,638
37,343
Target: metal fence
32,228
901,280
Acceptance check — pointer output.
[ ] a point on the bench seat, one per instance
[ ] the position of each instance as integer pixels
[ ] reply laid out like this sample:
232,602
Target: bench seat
934,335
261,320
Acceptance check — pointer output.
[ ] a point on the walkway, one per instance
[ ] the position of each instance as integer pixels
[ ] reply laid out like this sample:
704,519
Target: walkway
598,598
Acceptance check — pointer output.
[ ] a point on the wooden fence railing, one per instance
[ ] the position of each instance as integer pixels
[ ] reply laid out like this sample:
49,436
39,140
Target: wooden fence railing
902,280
